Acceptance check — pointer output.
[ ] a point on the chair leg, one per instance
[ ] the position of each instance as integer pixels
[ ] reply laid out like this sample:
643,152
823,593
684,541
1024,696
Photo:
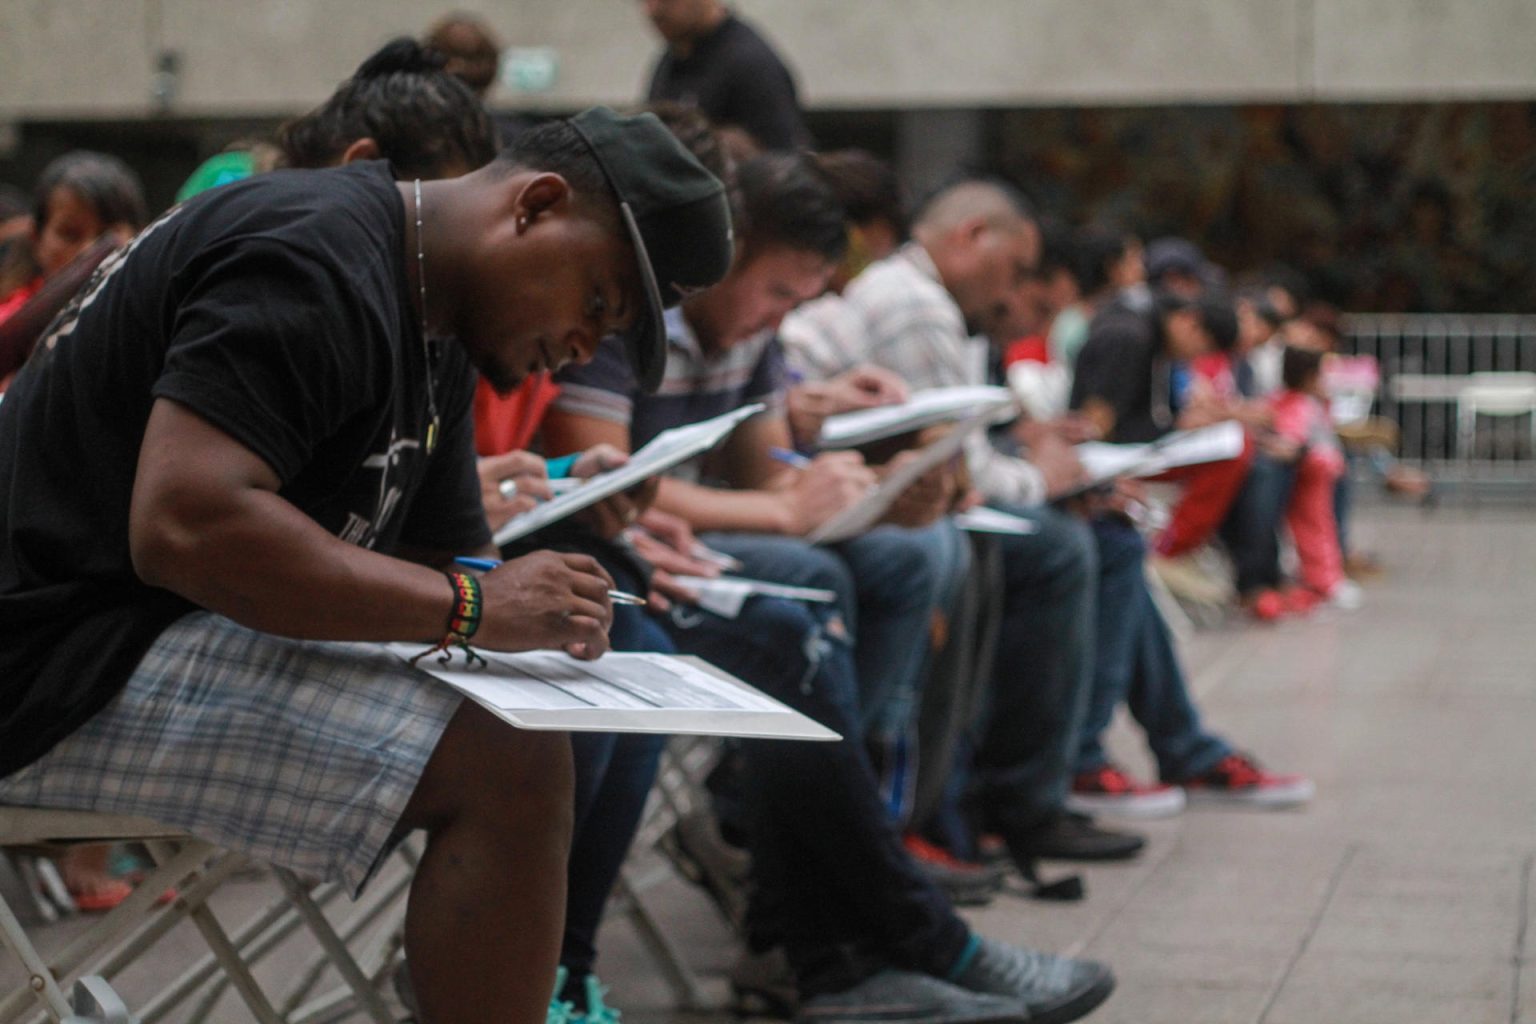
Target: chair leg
341,958
664,952
41,979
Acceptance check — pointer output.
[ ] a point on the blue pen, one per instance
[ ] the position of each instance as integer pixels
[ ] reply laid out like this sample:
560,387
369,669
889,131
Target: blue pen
487,564
789,458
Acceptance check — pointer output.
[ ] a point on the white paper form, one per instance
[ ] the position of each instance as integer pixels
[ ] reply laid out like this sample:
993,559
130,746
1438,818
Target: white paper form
1105,462
664,451
862,515
619,692
724,595
982,519
923,409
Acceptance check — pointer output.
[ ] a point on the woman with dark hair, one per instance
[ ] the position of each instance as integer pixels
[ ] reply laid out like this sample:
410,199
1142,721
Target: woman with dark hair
400,105
80,197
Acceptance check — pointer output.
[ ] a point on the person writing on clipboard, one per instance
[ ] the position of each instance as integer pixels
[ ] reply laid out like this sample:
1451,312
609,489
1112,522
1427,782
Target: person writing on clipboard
264,402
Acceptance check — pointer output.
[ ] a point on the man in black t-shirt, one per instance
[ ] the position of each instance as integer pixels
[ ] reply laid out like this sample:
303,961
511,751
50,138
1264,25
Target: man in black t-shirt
247,443
720,64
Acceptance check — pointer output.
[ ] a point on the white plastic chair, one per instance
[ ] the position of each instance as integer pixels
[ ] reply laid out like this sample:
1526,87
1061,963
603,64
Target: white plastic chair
1499,395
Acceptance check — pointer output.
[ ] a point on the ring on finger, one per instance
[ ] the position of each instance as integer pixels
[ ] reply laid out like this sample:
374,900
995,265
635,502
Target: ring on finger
508,488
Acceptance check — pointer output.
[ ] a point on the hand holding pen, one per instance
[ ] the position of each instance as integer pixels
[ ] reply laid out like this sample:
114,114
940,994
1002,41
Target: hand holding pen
824,487
545,601
487,564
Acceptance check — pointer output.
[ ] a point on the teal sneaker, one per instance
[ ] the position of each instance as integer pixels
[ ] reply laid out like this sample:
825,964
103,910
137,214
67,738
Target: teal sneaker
598,1012
561,1011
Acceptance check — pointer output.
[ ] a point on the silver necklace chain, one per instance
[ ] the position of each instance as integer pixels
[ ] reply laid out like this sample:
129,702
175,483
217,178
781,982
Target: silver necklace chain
426,346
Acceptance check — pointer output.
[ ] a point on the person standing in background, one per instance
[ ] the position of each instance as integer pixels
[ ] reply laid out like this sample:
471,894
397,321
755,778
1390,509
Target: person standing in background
720,64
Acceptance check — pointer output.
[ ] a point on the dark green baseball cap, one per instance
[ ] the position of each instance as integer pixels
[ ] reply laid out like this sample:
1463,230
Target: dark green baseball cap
677,216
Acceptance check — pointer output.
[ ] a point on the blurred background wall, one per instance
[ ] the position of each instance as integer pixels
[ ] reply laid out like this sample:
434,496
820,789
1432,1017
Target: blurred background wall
1385,147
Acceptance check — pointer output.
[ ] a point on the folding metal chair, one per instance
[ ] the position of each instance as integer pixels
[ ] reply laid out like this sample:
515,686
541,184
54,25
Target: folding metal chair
196,870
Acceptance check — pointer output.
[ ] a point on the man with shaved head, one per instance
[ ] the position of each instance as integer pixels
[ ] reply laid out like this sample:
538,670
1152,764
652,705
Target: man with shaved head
970,266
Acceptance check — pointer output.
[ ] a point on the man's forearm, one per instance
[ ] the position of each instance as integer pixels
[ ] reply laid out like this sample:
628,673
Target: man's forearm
266,565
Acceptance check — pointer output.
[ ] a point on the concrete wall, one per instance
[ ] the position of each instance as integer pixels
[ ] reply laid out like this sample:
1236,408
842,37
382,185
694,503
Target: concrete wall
95,58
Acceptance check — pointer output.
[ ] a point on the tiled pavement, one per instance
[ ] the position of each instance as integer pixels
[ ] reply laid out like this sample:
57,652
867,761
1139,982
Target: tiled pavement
1402,895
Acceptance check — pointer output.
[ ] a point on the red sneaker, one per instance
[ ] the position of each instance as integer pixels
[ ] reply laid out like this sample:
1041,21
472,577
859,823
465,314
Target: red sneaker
1238,779
1108,790
1266,605
967,884
1300,600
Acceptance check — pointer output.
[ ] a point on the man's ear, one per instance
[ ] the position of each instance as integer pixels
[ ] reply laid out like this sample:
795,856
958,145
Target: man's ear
365,148
542,194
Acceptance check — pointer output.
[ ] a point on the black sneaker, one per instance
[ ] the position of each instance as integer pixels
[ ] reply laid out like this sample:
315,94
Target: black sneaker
763,985
1053,989
904,997
966,884
1072,836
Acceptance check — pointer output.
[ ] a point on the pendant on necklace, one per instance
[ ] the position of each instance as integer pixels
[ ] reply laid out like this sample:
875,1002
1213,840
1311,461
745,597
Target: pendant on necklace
432,435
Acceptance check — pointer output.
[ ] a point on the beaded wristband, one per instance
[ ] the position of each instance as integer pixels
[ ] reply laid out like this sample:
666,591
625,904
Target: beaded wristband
462,621
467,603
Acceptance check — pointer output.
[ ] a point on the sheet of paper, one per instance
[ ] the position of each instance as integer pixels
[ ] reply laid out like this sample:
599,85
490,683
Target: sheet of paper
862,515
982,519
725,595
619,692
924,409
664,451
1105,462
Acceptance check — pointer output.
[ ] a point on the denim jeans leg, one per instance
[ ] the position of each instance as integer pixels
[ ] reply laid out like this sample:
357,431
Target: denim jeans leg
1160,703
1042,671
614,774
827,862
1252,527
1122,555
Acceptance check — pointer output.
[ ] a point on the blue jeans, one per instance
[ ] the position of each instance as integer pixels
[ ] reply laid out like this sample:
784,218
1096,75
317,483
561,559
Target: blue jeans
614,773
833,882
1137,663
1041,674
1252,527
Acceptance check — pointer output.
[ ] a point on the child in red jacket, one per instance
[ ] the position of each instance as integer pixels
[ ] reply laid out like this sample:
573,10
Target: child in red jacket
1301,415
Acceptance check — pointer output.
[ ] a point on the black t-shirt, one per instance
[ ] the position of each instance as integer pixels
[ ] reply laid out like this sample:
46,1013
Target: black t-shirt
734,76
277,309
1122,364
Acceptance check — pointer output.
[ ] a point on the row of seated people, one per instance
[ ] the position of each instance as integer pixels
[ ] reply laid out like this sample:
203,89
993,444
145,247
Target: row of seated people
1119,344
793,316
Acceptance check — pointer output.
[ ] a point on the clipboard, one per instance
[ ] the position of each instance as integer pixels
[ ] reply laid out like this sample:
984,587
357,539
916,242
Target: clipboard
865,513
923,409
619,692
1106,463
664,451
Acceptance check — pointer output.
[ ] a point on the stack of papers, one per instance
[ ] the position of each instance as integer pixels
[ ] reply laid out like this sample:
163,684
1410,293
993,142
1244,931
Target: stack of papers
666,450
653,693
924,409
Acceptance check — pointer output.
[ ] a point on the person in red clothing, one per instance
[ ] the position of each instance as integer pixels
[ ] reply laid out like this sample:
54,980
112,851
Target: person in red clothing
1134,382
80,197
1301,416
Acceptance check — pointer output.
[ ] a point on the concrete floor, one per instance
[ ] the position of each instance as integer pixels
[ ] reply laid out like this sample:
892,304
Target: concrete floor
1402,895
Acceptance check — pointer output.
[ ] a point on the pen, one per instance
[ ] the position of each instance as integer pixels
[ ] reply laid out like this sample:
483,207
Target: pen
789,458
487,564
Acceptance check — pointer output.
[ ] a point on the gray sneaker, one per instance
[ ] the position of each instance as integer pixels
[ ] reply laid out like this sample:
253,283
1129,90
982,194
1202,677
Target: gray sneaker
1053,989
903,997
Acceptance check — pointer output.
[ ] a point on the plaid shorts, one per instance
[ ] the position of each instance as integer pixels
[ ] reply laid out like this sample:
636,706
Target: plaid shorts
296,753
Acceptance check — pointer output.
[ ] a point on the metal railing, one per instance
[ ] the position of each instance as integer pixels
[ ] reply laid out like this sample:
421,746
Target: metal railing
1461,388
